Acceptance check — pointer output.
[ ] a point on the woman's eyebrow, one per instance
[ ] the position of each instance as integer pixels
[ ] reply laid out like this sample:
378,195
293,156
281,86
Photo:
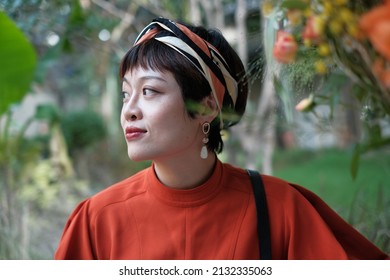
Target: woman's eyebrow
152,77
147,77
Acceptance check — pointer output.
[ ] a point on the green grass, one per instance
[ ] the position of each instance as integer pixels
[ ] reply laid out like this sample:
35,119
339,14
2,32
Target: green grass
363,202
327,173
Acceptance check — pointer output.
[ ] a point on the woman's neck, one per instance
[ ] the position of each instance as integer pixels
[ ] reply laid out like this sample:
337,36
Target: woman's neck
185,174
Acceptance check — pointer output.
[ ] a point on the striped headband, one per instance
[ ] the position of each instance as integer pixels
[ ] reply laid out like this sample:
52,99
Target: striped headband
204,56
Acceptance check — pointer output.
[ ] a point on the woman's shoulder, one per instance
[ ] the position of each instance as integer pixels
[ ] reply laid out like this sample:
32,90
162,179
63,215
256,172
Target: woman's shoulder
275,188
270,182
283,192
277,185
119,192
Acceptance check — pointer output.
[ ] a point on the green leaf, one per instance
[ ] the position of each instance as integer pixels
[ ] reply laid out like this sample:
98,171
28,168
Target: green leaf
47,112
294,4
355,161
77,16
277,84
285,96
18,61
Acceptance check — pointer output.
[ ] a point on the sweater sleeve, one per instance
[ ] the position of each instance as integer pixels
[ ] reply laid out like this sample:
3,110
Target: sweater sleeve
75,243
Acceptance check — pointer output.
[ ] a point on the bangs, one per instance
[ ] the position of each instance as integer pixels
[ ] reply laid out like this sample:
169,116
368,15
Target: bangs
154,55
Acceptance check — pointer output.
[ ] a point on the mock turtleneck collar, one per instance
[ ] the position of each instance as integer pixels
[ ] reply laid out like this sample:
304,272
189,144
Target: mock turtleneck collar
188,197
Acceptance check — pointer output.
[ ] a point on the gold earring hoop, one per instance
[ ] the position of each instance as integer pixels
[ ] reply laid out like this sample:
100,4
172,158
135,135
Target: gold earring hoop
206,130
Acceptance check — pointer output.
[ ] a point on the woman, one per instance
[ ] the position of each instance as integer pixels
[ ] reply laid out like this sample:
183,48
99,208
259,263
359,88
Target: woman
181,86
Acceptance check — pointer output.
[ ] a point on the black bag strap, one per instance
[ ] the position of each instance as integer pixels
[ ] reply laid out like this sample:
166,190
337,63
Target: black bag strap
263,230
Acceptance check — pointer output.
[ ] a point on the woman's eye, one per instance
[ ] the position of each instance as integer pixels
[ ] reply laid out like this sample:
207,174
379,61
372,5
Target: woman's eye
148,91
125,96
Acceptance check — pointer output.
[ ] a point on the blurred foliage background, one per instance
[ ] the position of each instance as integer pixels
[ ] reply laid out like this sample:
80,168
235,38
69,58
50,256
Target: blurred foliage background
60,139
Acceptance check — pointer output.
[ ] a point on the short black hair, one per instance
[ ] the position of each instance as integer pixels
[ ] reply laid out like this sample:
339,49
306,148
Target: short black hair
158,56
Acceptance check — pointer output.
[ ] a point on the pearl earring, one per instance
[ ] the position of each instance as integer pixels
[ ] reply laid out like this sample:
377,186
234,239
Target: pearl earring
205,129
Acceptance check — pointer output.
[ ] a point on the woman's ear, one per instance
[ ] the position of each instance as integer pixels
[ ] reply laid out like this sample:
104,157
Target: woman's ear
208,110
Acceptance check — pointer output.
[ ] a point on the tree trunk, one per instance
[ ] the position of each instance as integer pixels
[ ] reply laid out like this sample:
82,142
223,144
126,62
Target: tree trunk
219,15
257,131
214,13
242,41
195,12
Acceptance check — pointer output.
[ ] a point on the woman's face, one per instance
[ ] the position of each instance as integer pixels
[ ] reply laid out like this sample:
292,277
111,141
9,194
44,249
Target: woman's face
154,119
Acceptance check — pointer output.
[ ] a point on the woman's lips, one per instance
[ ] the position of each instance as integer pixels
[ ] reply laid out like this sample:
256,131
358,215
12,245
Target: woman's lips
132,133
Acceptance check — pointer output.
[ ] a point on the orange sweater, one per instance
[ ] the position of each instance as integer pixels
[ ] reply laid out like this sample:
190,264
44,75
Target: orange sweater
139,218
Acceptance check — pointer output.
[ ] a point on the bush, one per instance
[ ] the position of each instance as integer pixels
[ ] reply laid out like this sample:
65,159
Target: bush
82,129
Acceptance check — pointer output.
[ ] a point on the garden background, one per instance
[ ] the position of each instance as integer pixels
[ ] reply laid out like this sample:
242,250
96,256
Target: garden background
60,139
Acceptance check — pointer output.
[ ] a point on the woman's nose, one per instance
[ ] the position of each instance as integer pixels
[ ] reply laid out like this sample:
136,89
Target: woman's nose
132,110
